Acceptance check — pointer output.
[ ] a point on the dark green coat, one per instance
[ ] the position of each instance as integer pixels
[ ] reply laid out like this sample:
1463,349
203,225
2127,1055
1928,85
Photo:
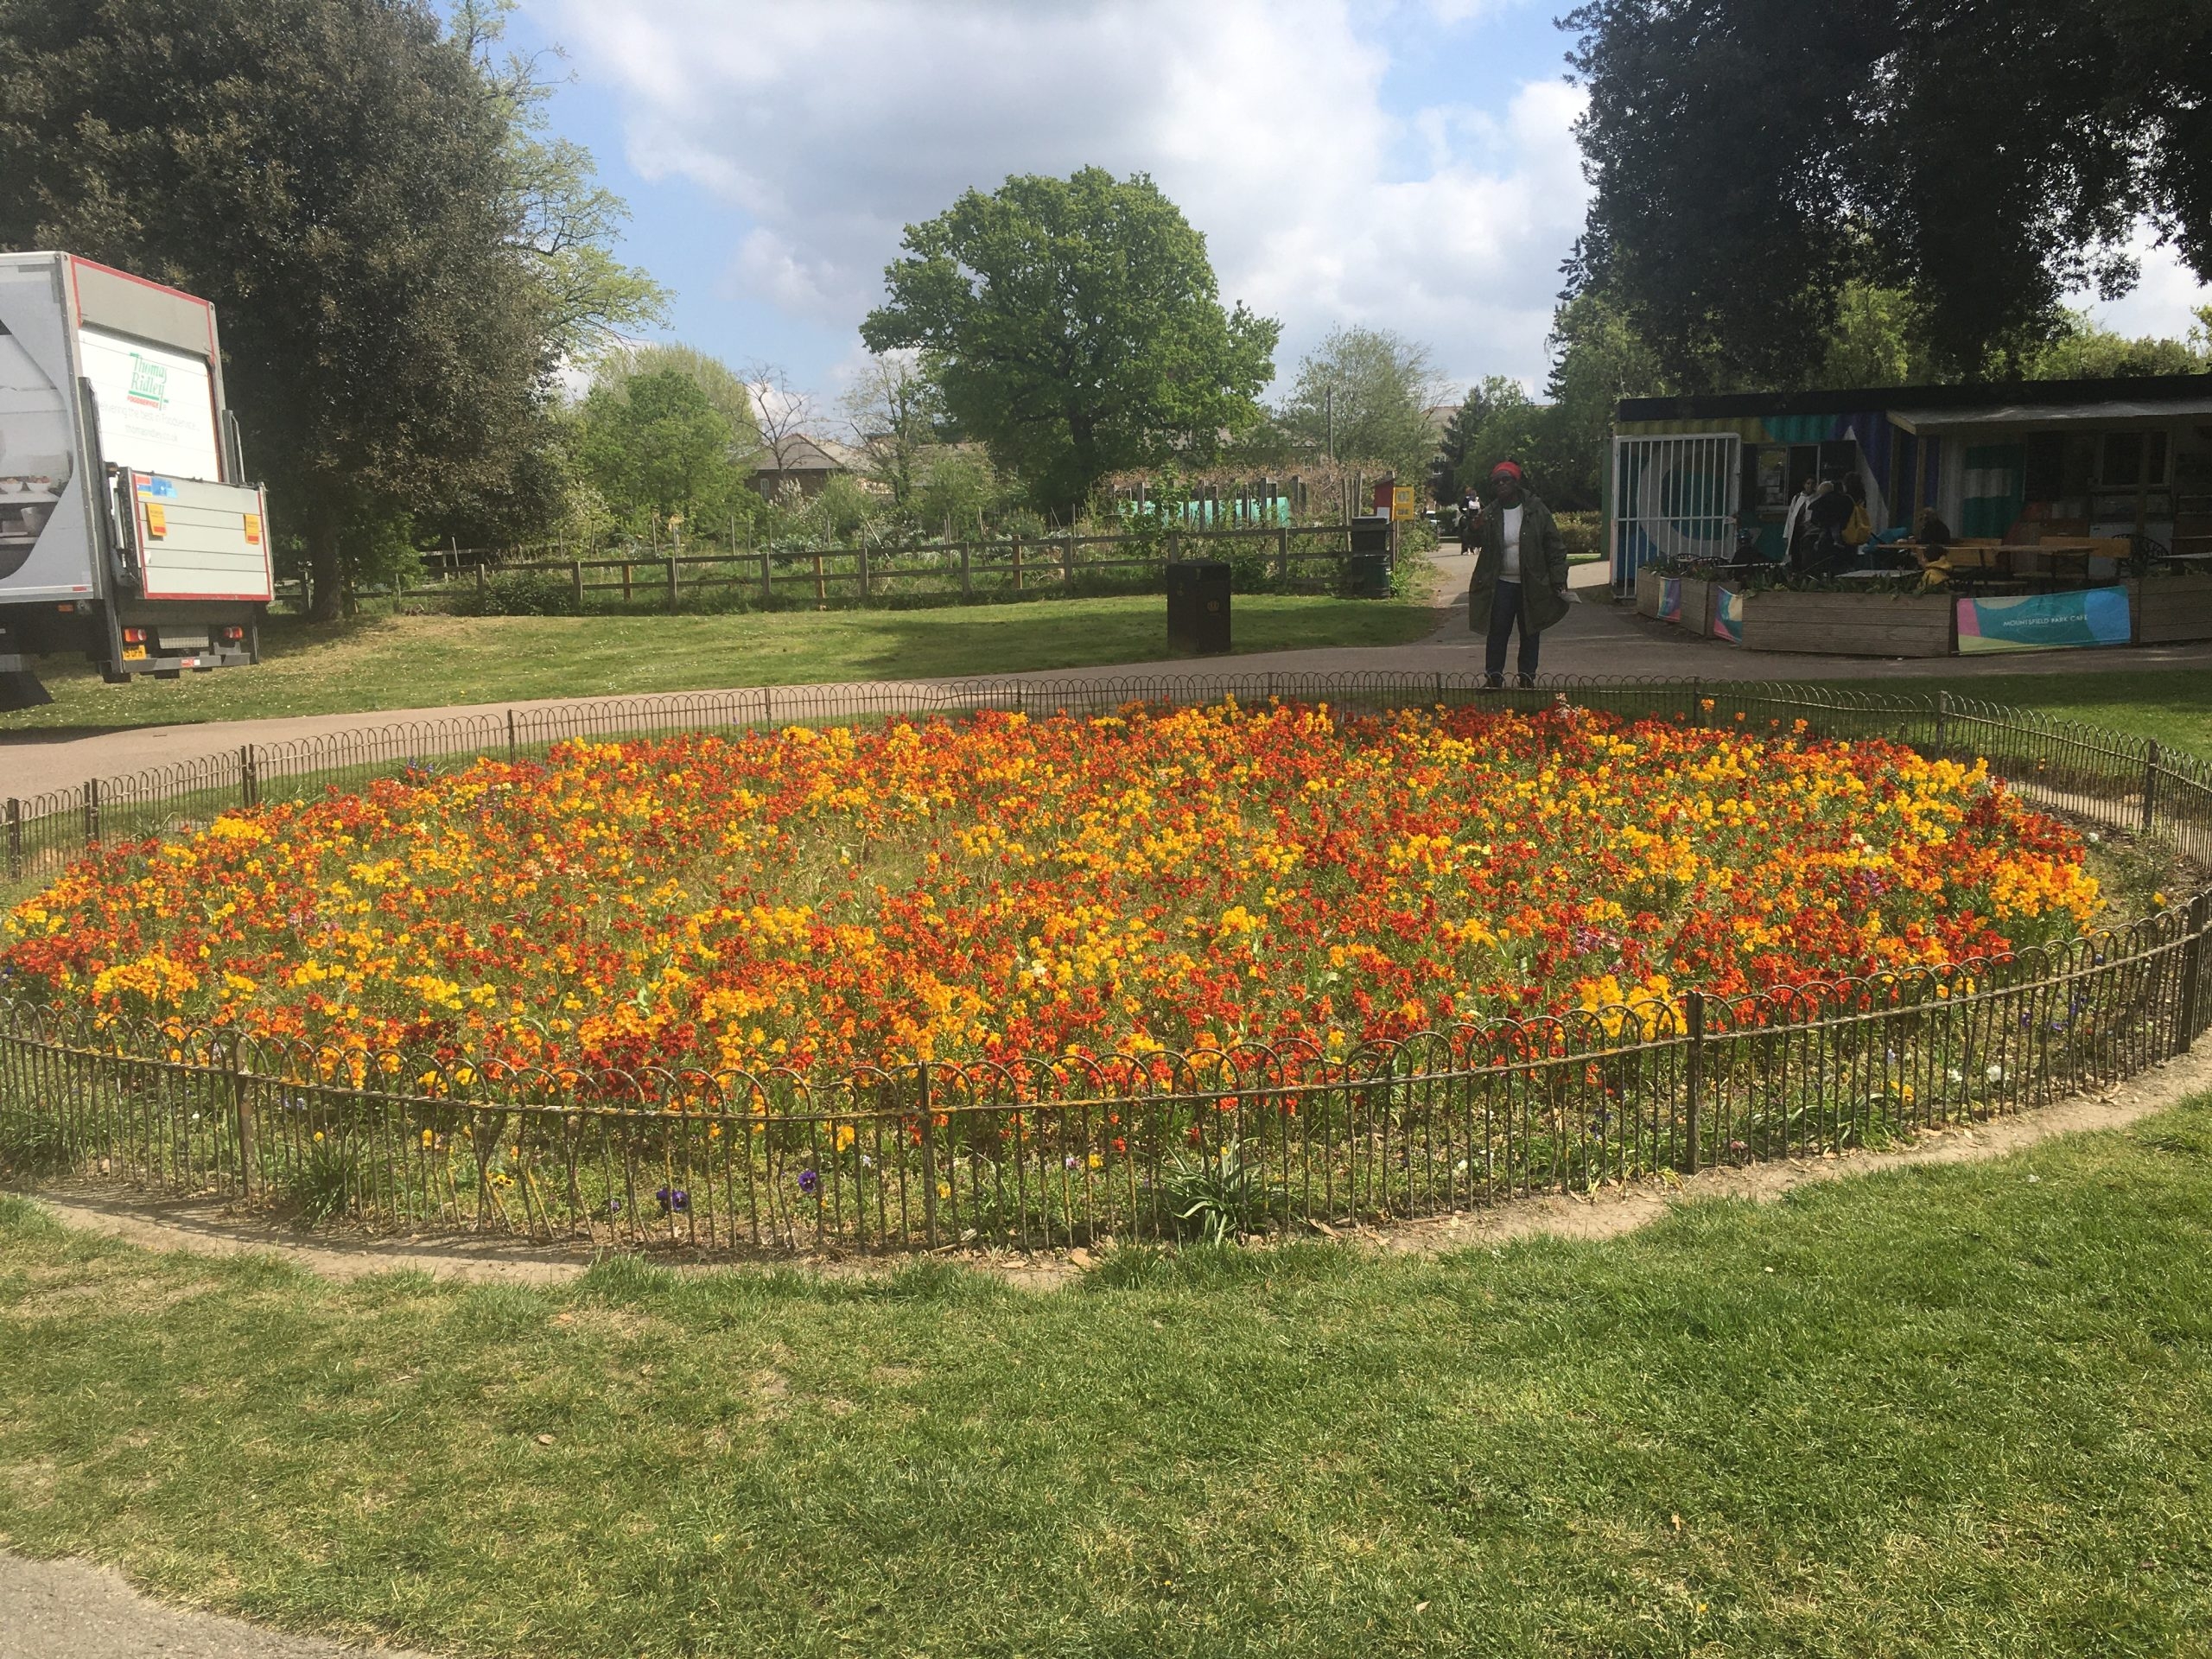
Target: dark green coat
1543,567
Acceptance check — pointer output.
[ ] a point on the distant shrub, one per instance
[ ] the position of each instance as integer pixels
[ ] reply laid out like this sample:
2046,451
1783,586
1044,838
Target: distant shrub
518,593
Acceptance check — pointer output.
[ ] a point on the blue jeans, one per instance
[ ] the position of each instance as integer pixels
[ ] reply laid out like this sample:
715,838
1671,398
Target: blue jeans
1504,617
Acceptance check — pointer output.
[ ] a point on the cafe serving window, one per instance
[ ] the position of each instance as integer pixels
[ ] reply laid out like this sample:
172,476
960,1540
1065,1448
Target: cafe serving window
2132,459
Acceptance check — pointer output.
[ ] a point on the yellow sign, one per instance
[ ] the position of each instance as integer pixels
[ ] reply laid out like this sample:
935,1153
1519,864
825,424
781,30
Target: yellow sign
253,530
157,520
1401,502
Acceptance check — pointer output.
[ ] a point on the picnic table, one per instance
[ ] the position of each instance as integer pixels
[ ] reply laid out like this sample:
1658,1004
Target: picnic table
2045,564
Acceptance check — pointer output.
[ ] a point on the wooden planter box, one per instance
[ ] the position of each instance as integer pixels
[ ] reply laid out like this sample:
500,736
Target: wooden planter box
2169,610
1850,625
1697,606
1650,588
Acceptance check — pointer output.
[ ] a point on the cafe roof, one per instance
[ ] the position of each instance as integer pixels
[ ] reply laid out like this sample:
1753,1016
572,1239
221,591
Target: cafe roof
1967,403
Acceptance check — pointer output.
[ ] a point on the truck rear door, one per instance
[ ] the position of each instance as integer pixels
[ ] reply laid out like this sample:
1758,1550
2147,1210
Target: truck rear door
200,541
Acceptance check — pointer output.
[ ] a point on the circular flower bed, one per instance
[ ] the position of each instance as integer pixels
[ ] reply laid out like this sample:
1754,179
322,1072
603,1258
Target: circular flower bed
993,886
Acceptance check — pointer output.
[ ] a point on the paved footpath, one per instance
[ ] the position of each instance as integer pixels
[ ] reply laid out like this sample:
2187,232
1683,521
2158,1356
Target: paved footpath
73,1610
1599,639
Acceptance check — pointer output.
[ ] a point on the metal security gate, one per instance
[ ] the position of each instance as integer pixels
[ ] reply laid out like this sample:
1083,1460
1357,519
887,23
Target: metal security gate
1674,498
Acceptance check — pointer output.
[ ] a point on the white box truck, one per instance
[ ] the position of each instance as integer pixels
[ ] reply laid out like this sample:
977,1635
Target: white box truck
128,531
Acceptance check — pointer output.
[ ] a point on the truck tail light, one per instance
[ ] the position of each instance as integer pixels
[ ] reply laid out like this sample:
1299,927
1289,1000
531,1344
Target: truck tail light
230,633
134,636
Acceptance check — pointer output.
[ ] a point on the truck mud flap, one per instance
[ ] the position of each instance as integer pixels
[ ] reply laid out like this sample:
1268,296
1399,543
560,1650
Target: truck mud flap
20,689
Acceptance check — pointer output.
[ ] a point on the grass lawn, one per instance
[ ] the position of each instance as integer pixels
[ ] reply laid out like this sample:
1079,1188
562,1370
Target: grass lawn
2173,705
416,662
1961,1410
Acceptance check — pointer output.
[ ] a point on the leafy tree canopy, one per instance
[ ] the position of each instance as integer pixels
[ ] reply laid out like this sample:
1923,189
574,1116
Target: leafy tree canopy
655,446
1753,159
723,386
342,179
1074,327
2088,350
1364,395
1499,420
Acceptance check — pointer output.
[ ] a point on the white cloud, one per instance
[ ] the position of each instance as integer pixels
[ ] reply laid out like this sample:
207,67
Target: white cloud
823,129
2162,305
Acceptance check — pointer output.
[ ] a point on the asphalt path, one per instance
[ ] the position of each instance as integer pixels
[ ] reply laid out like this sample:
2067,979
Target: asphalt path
74,1610
1599,639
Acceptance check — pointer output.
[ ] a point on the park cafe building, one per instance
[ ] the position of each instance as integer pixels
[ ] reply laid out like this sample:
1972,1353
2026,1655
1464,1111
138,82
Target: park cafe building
2059,462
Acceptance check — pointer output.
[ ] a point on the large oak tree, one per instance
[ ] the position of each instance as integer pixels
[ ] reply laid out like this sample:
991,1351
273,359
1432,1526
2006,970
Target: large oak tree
1074,327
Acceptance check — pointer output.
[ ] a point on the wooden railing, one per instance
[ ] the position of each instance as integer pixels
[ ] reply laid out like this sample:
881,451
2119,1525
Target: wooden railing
1295,556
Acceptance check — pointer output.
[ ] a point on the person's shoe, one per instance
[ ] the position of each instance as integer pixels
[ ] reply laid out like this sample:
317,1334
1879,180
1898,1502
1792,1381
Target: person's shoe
1494,682
1525,680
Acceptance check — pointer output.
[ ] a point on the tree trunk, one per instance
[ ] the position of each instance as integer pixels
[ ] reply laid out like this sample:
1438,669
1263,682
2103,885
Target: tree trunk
326,576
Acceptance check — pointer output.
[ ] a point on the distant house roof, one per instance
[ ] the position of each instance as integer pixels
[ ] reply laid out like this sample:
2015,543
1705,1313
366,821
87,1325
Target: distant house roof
797,452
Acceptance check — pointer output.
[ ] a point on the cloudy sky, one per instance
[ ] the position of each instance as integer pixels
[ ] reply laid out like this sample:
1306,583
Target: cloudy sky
1403,164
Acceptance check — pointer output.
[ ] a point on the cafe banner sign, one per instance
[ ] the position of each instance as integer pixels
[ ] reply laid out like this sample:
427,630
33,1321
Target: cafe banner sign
2043,621
1671,599
1728,616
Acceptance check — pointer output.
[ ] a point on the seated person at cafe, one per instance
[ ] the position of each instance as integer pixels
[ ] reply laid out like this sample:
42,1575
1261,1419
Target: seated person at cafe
1932,551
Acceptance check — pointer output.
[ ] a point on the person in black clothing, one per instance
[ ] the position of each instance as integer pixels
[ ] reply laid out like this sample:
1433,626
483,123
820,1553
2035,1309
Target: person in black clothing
1829,514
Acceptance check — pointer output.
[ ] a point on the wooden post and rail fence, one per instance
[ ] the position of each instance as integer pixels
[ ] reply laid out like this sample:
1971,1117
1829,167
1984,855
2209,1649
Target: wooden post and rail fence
1296,556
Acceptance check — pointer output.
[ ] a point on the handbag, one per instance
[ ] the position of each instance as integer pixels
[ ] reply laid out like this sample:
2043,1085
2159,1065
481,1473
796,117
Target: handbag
1858,529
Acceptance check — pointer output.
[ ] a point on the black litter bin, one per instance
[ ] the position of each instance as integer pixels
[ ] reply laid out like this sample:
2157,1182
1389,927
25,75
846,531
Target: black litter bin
1198,607
1367,572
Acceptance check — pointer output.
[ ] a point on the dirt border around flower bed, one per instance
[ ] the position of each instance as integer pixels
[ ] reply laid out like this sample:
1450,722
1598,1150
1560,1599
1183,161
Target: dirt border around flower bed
201,1227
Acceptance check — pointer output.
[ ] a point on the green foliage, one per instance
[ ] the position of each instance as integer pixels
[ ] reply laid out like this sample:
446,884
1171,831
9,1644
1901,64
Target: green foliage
1073,326
1364,395
1753,160
563,223
655,447
1878,338
33,1145
325,1183
1214,1199
1597,358
397,263
2088,350
379,552
722,385
518,593
1499,422
831,518
953,486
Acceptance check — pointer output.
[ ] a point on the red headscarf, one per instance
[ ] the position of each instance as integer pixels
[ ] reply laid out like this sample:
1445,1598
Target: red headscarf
1512,467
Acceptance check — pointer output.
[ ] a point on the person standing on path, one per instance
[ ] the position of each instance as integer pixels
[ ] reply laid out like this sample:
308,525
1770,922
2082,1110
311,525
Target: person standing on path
1470,514
1520,574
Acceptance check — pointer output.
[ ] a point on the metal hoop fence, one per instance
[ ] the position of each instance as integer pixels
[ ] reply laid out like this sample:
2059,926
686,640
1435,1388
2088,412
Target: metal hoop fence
1059,1151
